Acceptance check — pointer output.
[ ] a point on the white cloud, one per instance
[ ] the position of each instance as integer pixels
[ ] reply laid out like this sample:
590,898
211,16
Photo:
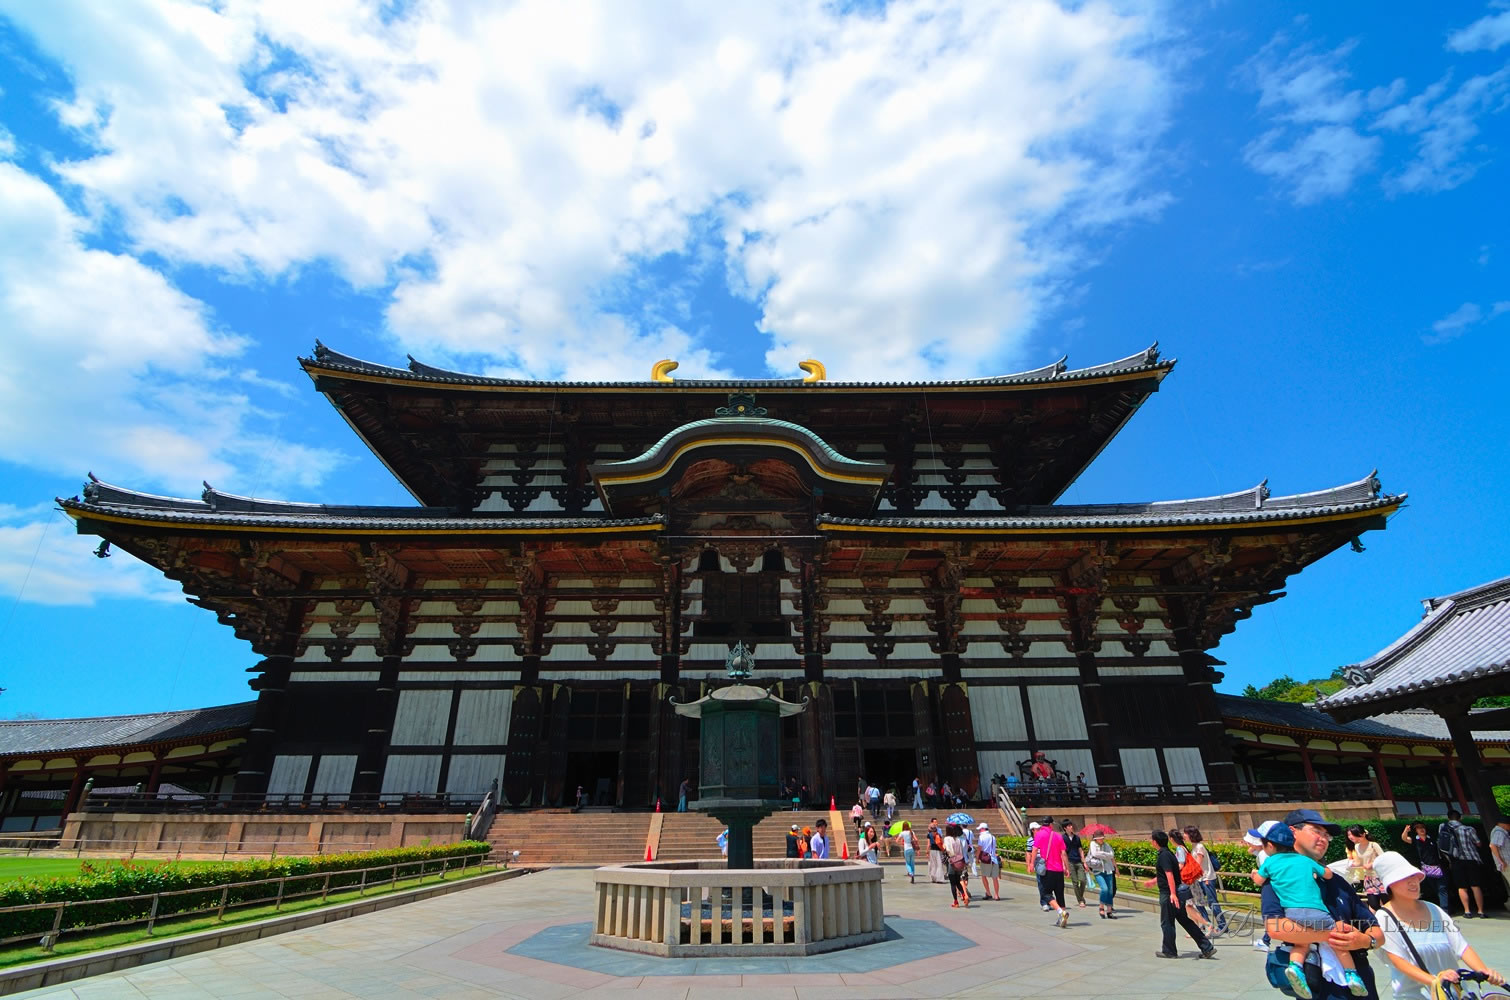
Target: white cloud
1322,135
43,561
106,362
905,189
1488,32
1321,163
1313,147
1463,318
1444,122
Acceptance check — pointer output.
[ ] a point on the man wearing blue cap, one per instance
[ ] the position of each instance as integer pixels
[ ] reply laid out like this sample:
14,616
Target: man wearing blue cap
1356,930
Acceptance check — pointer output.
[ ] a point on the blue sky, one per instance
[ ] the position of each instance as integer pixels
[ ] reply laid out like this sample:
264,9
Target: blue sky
1308,210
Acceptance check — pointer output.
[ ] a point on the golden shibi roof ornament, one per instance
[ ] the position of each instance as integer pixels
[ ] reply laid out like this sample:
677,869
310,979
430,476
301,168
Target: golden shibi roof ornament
661,370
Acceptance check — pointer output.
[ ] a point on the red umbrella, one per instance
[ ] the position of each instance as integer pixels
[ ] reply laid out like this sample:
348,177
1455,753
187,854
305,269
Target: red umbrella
1096,828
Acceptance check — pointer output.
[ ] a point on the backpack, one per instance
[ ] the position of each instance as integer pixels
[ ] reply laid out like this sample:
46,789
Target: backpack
1191,871
1447,840
1216,861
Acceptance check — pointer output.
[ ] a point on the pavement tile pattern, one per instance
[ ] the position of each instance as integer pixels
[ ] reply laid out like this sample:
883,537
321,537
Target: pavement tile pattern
526,938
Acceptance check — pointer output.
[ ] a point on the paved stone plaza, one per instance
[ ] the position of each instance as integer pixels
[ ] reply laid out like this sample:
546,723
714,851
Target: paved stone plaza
527,938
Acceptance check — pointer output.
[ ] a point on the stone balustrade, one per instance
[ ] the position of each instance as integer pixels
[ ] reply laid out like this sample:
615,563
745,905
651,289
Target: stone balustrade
688,909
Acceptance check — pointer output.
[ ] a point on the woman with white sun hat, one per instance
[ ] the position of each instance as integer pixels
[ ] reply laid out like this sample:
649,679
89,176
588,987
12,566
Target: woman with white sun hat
1422,942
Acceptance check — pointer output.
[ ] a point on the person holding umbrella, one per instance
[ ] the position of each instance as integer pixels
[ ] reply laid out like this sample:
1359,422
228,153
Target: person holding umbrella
954,851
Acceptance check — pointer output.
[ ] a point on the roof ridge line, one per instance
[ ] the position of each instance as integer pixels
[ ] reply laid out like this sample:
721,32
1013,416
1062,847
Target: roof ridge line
1054,371
117,718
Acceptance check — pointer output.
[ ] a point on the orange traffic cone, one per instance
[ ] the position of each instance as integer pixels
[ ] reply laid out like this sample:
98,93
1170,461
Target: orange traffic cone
657,803
831,806
649,853
844,849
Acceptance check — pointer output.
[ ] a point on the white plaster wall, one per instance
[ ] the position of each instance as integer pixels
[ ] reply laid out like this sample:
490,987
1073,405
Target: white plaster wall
996,712
421,718
482,717
289,774
1130,671
471,774
335,773
322,676
411,774
1056,711
1140,766
1185,765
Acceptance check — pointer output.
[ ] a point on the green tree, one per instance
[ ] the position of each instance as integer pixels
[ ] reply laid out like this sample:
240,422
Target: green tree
1287,688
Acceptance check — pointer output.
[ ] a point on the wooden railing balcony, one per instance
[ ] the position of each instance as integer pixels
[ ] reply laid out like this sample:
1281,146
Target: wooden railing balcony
350,802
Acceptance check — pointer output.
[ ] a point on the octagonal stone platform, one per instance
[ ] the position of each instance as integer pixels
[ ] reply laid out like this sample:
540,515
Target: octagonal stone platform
689,909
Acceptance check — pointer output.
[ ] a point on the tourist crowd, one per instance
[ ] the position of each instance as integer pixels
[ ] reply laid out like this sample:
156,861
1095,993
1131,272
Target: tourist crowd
1320,922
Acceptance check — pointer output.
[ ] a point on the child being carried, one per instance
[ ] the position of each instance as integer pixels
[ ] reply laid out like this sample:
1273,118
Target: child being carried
1293,877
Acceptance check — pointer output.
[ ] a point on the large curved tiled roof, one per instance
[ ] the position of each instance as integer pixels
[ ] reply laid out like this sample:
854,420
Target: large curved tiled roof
1463,637
1253,506
38,736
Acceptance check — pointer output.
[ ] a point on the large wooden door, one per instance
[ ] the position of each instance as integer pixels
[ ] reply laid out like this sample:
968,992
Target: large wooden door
963,770
555,764
524,742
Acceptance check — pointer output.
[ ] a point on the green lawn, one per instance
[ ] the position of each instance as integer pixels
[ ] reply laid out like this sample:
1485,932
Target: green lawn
34,867
78,943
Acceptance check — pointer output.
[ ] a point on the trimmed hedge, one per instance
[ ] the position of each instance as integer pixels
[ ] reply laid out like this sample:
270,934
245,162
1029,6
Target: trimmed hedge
145,878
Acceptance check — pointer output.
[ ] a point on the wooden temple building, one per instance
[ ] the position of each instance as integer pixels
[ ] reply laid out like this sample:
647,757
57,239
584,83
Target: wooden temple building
581,553
1456,654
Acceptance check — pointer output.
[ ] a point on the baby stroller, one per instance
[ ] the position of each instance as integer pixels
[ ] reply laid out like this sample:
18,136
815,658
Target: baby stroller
1466,988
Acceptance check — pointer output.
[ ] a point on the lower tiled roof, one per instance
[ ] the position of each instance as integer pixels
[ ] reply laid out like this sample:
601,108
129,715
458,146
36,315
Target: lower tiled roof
1464,637
37,736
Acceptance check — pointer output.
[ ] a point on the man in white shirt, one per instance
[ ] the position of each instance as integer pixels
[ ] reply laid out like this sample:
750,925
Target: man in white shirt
1499,846
819,843
990,870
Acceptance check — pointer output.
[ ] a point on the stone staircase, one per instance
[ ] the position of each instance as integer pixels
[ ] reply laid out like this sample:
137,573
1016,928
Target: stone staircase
694,835
559,836
591,837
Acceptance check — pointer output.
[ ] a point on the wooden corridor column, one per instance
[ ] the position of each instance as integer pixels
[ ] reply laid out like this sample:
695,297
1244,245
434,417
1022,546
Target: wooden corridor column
1310,772
1456,717
1385,790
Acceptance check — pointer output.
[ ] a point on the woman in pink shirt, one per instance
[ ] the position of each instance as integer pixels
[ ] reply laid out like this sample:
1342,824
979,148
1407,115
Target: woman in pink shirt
1048,858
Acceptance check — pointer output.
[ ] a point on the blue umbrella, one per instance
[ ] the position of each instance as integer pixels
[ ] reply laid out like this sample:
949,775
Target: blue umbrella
963,819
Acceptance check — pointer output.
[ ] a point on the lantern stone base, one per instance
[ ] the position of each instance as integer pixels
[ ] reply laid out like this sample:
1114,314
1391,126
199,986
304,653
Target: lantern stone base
688,909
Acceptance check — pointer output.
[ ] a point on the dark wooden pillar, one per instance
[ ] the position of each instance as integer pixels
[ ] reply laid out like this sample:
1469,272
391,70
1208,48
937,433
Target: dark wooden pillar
382,704
1200,685
1310,772
1456,717
154,777
1459,797
820,772
257,758
1385,791
623,772
75,790
1092,701
928,752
